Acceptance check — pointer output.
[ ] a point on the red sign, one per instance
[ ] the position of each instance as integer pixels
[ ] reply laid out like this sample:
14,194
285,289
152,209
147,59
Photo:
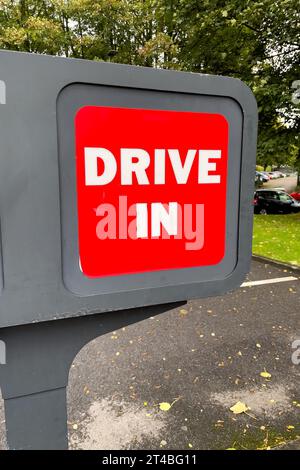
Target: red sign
151,189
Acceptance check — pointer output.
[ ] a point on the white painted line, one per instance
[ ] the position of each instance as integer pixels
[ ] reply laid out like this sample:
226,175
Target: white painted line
269,281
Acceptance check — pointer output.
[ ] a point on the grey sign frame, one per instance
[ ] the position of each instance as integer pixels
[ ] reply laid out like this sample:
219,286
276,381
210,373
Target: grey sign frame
76,96
39,282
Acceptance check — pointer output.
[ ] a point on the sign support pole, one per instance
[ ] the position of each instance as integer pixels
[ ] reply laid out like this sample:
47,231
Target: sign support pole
34,379
37,421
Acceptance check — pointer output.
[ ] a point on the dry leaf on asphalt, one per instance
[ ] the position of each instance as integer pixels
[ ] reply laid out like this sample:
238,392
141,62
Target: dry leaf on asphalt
265,374
164,406
239,408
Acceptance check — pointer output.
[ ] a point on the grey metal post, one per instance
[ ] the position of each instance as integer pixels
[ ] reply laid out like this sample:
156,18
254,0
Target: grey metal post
37,421
35,376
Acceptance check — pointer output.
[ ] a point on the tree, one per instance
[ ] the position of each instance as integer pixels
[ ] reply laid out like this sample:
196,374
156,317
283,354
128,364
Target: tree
254,40
258,42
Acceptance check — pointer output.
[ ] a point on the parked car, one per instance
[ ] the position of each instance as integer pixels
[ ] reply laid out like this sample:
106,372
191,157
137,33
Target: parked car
263,177
272,201
295,195
265,174
273,175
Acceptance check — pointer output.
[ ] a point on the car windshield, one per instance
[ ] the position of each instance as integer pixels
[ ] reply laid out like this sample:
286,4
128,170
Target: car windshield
285,197
268,194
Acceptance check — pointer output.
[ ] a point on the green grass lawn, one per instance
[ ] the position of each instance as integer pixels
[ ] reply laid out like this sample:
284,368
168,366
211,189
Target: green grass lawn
277,237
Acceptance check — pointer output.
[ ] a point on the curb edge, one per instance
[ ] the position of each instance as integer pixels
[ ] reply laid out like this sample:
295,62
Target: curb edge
278,264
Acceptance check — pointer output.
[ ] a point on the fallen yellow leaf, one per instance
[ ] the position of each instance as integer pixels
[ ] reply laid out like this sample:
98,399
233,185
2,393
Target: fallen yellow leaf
164,406
239,408
265,374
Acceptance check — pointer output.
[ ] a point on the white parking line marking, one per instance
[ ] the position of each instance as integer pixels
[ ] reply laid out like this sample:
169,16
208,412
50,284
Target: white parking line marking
269,281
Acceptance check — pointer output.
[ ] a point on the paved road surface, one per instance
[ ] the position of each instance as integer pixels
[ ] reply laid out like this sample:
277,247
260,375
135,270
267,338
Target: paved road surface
289,184
202,359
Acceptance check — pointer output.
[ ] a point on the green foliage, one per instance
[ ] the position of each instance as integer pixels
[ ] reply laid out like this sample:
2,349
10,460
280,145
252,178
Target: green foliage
256,41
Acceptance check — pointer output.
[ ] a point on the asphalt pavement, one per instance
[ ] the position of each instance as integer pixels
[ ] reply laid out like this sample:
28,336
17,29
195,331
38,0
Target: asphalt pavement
289,183
169,382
